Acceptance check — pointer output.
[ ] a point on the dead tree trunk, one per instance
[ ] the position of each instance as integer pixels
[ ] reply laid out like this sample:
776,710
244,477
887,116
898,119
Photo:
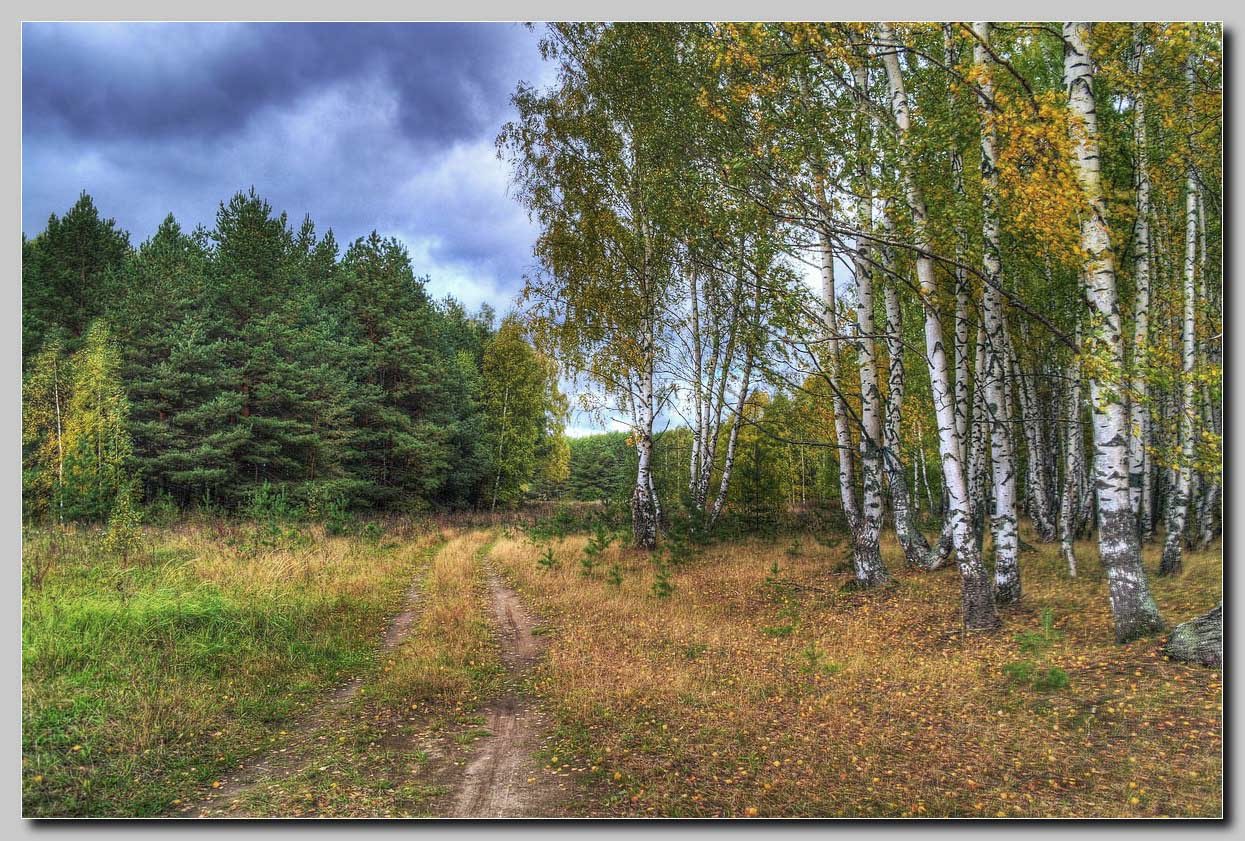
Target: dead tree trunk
1199,640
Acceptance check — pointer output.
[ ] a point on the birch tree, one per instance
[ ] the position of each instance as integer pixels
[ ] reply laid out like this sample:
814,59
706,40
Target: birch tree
915,547
870,570
591,168
1133,608
45,402
98,450
1007,585
1074,466
977,592
833,330
1173,544
1139,409
1031,426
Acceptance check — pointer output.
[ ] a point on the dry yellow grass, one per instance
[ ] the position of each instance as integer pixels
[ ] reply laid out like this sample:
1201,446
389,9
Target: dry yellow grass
226,554
390,750
751,693
451,651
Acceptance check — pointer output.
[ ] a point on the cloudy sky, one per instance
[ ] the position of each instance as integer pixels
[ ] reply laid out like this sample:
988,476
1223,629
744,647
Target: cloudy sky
364,126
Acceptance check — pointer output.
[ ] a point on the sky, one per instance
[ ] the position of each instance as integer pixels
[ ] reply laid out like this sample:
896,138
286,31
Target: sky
386,127
362,126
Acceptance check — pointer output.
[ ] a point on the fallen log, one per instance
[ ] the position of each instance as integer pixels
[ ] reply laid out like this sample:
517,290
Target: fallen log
1199,640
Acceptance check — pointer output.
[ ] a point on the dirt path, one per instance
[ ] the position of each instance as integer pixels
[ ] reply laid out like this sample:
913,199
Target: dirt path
497,776
281,763
503,780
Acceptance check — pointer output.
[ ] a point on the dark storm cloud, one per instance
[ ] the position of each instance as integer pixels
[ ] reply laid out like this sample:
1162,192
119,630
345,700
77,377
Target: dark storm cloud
168,81
386,127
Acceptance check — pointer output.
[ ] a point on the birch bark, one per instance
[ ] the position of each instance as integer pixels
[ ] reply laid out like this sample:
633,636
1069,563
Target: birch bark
1173,544
915,547
1074,465
842,431
1007,587
870,570
977,595
1139,410
1132,606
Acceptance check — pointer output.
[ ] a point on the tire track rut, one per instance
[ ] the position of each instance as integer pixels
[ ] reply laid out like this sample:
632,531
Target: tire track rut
503,780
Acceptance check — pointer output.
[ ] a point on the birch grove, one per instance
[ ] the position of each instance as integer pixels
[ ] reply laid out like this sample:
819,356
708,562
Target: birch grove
977,592
751,217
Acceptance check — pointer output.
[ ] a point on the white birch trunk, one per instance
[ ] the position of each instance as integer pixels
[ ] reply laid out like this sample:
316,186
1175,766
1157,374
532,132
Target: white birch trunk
870,571
737,418
1031,428
643,500
1007,587
697,342
976,590
915,547
842,430
978,484
1210,517
1139,410
1074,464
1133,609
1173,544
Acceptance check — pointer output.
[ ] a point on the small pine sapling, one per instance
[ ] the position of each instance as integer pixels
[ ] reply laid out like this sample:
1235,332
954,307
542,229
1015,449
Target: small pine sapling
547,561
662,586
597,543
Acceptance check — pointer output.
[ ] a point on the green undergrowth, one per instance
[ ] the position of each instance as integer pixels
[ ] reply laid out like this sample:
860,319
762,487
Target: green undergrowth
142,681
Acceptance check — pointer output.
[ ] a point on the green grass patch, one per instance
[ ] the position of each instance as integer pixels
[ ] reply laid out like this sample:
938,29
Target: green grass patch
144,682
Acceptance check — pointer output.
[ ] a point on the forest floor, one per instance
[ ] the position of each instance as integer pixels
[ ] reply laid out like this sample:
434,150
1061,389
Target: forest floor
450,673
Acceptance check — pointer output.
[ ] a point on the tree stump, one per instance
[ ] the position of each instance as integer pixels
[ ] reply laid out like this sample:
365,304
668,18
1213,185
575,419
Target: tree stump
1199,640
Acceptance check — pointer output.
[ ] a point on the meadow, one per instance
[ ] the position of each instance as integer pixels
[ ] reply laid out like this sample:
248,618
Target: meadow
763,686
737,679
145,678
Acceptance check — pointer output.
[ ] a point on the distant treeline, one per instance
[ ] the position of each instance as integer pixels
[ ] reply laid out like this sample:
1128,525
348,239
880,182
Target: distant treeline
773,473
203,366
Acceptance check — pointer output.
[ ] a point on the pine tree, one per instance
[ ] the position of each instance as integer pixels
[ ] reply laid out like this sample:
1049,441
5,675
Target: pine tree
67,275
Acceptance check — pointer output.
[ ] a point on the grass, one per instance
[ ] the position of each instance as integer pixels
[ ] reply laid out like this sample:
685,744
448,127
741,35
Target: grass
750,682
387,753
755,692
143,681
